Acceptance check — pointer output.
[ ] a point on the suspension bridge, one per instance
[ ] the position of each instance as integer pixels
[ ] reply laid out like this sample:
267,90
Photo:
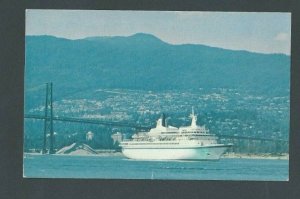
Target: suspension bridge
48,119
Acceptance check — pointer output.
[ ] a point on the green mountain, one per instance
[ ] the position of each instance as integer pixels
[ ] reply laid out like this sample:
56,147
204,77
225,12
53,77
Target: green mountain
143,61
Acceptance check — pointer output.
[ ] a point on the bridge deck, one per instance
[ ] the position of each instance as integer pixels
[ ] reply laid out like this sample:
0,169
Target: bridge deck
129,125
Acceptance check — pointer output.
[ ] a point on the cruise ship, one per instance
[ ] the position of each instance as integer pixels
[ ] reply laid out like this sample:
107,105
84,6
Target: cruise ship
165,142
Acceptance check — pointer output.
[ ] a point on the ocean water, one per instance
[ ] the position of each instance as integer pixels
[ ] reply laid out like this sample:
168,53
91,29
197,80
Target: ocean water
118,167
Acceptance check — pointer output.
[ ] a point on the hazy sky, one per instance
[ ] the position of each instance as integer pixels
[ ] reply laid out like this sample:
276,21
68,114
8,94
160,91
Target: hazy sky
258,32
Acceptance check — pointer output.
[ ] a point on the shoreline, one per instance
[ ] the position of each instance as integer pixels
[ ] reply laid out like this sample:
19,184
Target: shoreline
284,156
226,155
106,154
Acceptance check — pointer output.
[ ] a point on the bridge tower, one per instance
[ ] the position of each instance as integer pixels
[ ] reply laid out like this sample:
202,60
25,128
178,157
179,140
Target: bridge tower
48,122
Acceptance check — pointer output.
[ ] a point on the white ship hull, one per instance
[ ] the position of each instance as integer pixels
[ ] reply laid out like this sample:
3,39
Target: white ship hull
197,153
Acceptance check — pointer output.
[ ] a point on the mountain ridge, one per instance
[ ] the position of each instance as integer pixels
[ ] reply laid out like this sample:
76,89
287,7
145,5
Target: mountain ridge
103,38
143,61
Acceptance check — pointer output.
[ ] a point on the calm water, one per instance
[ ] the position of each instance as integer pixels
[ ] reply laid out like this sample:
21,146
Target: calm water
115,167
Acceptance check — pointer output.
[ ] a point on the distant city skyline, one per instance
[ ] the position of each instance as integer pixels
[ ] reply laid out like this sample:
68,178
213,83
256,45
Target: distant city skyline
252,31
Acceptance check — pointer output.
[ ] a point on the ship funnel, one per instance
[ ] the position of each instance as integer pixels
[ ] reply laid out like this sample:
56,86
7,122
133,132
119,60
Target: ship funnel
163,120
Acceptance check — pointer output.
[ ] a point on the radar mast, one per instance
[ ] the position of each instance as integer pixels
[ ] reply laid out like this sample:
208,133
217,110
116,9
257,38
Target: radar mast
194,118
